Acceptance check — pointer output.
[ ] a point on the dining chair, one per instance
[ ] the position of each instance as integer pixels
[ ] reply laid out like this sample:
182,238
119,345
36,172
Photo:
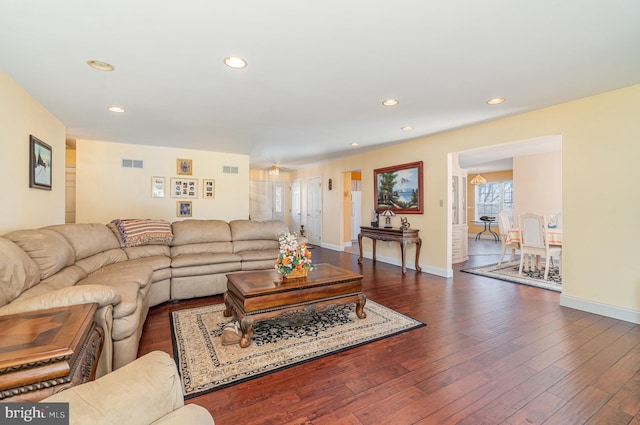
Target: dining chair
534,242
504,224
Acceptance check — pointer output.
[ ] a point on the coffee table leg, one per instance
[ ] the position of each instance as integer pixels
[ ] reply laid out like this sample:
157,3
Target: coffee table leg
246,326
227,306
362,300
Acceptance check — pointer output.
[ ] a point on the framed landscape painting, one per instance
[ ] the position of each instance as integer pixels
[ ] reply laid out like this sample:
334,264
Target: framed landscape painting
399,188
39,164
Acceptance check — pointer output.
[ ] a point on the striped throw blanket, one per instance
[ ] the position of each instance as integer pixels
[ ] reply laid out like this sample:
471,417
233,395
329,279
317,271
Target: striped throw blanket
139,232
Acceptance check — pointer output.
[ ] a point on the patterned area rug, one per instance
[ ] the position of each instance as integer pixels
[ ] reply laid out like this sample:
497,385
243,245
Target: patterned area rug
206,365
510,274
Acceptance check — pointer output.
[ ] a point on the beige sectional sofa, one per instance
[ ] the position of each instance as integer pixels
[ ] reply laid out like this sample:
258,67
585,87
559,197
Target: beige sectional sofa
96,263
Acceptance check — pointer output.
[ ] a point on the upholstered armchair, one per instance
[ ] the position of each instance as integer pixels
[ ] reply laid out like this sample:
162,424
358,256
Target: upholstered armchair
145,391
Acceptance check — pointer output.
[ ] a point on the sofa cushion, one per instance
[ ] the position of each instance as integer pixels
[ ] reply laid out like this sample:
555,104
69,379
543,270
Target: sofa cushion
140,274
101,259
257,245
206,269
199,248
87,239
65,278
263,254
249,230
200,231
146,251
18,272
202,259
135,232
72,295
48,249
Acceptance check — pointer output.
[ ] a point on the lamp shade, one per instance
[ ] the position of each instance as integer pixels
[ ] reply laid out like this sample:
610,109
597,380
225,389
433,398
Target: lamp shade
388,213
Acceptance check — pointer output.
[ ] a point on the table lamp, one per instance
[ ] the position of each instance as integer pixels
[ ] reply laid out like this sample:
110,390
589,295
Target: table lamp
387,218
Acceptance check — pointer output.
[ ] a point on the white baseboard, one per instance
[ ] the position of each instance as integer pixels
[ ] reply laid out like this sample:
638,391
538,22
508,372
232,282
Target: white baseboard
615,312
331,246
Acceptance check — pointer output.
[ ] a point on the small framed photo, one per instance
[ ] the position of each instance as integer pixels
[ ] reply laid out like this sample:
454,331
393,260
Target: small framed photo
184,166
208,189
39,164
157,187
183,208
184,188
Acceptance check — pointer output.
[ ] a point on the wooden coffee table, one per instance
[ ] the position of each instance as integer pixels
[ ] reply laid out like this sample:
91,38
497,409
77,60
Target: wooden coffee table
256,296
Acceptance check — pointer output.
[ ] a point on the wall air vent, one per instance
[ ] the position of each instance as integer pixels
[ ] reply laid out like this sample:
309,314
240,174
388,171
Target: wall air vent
132,163
229,169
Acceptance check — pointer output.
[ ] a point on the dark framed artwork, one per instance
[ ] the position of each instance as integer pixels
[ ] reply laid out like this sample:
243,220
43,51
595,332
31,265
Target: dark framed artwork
399,188
39,164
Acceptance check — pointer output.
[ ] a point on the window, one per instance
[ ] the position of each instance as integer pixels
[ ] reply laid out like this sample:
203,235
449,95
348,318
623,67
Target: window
494,197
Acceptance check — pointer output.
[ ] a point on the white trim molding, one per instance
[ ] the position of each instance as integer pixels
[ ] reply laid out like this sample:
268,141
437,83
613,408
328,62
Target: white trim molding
595,307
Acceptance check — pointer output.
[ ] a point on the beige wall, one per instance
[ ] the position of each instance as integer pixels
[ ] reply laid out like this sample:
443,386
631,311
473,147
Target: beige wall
600,150
105,191
21,116
537,182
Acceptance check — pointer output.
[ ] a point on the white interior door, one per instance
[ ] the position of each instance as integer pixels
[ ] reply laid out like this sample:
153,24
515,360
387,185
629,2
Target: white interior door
314,210
356,214
70,195
260,200
278,200
296,205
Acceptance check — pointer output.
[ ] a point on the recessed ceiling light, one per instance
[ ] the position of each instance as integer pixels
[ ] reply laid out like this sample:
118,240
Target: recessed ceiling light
390,102
235,62
116,109
100,65
355,144
407,128
495,100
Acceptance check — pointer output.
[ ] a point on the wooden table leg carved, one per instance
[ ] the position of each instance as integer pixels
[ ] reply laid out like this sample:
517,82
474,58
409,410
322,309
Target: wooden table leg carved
403,237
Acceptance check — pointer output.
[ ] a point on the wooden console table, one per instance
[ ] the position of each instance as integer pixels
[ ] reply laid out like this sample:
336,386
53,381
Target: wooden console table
394,235
44,352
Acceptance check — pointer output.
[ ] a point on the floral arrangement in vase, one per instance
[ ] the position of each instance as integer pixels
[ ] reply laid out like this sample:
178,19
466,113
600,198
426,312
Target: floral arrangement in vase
294,259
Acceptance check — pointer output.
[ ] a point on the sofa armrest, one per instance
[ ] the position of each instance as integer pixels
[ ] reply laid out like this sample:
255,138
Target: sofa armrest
190,414
72,295
138,393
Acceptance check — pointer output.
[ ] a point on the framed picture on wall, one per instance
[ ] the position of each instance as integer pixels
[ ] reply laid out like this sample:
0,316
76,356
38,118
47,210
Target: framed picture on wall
39,164
184,166
399,188
184,188
184,208
208,189
157,187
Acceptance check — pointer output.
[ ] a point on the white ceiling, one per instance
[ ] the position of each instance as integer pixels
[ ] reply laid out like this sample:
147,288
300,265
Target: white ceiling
318,69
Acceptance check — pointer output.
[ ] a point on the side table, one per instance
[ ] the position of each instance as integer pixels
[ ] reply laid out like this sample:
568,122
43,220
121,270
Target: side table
46,351
403,236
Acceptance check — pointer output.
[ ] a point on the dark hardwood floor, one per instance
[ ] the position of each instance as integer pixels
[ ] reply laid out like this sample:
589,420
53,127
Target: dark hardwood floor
492,352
